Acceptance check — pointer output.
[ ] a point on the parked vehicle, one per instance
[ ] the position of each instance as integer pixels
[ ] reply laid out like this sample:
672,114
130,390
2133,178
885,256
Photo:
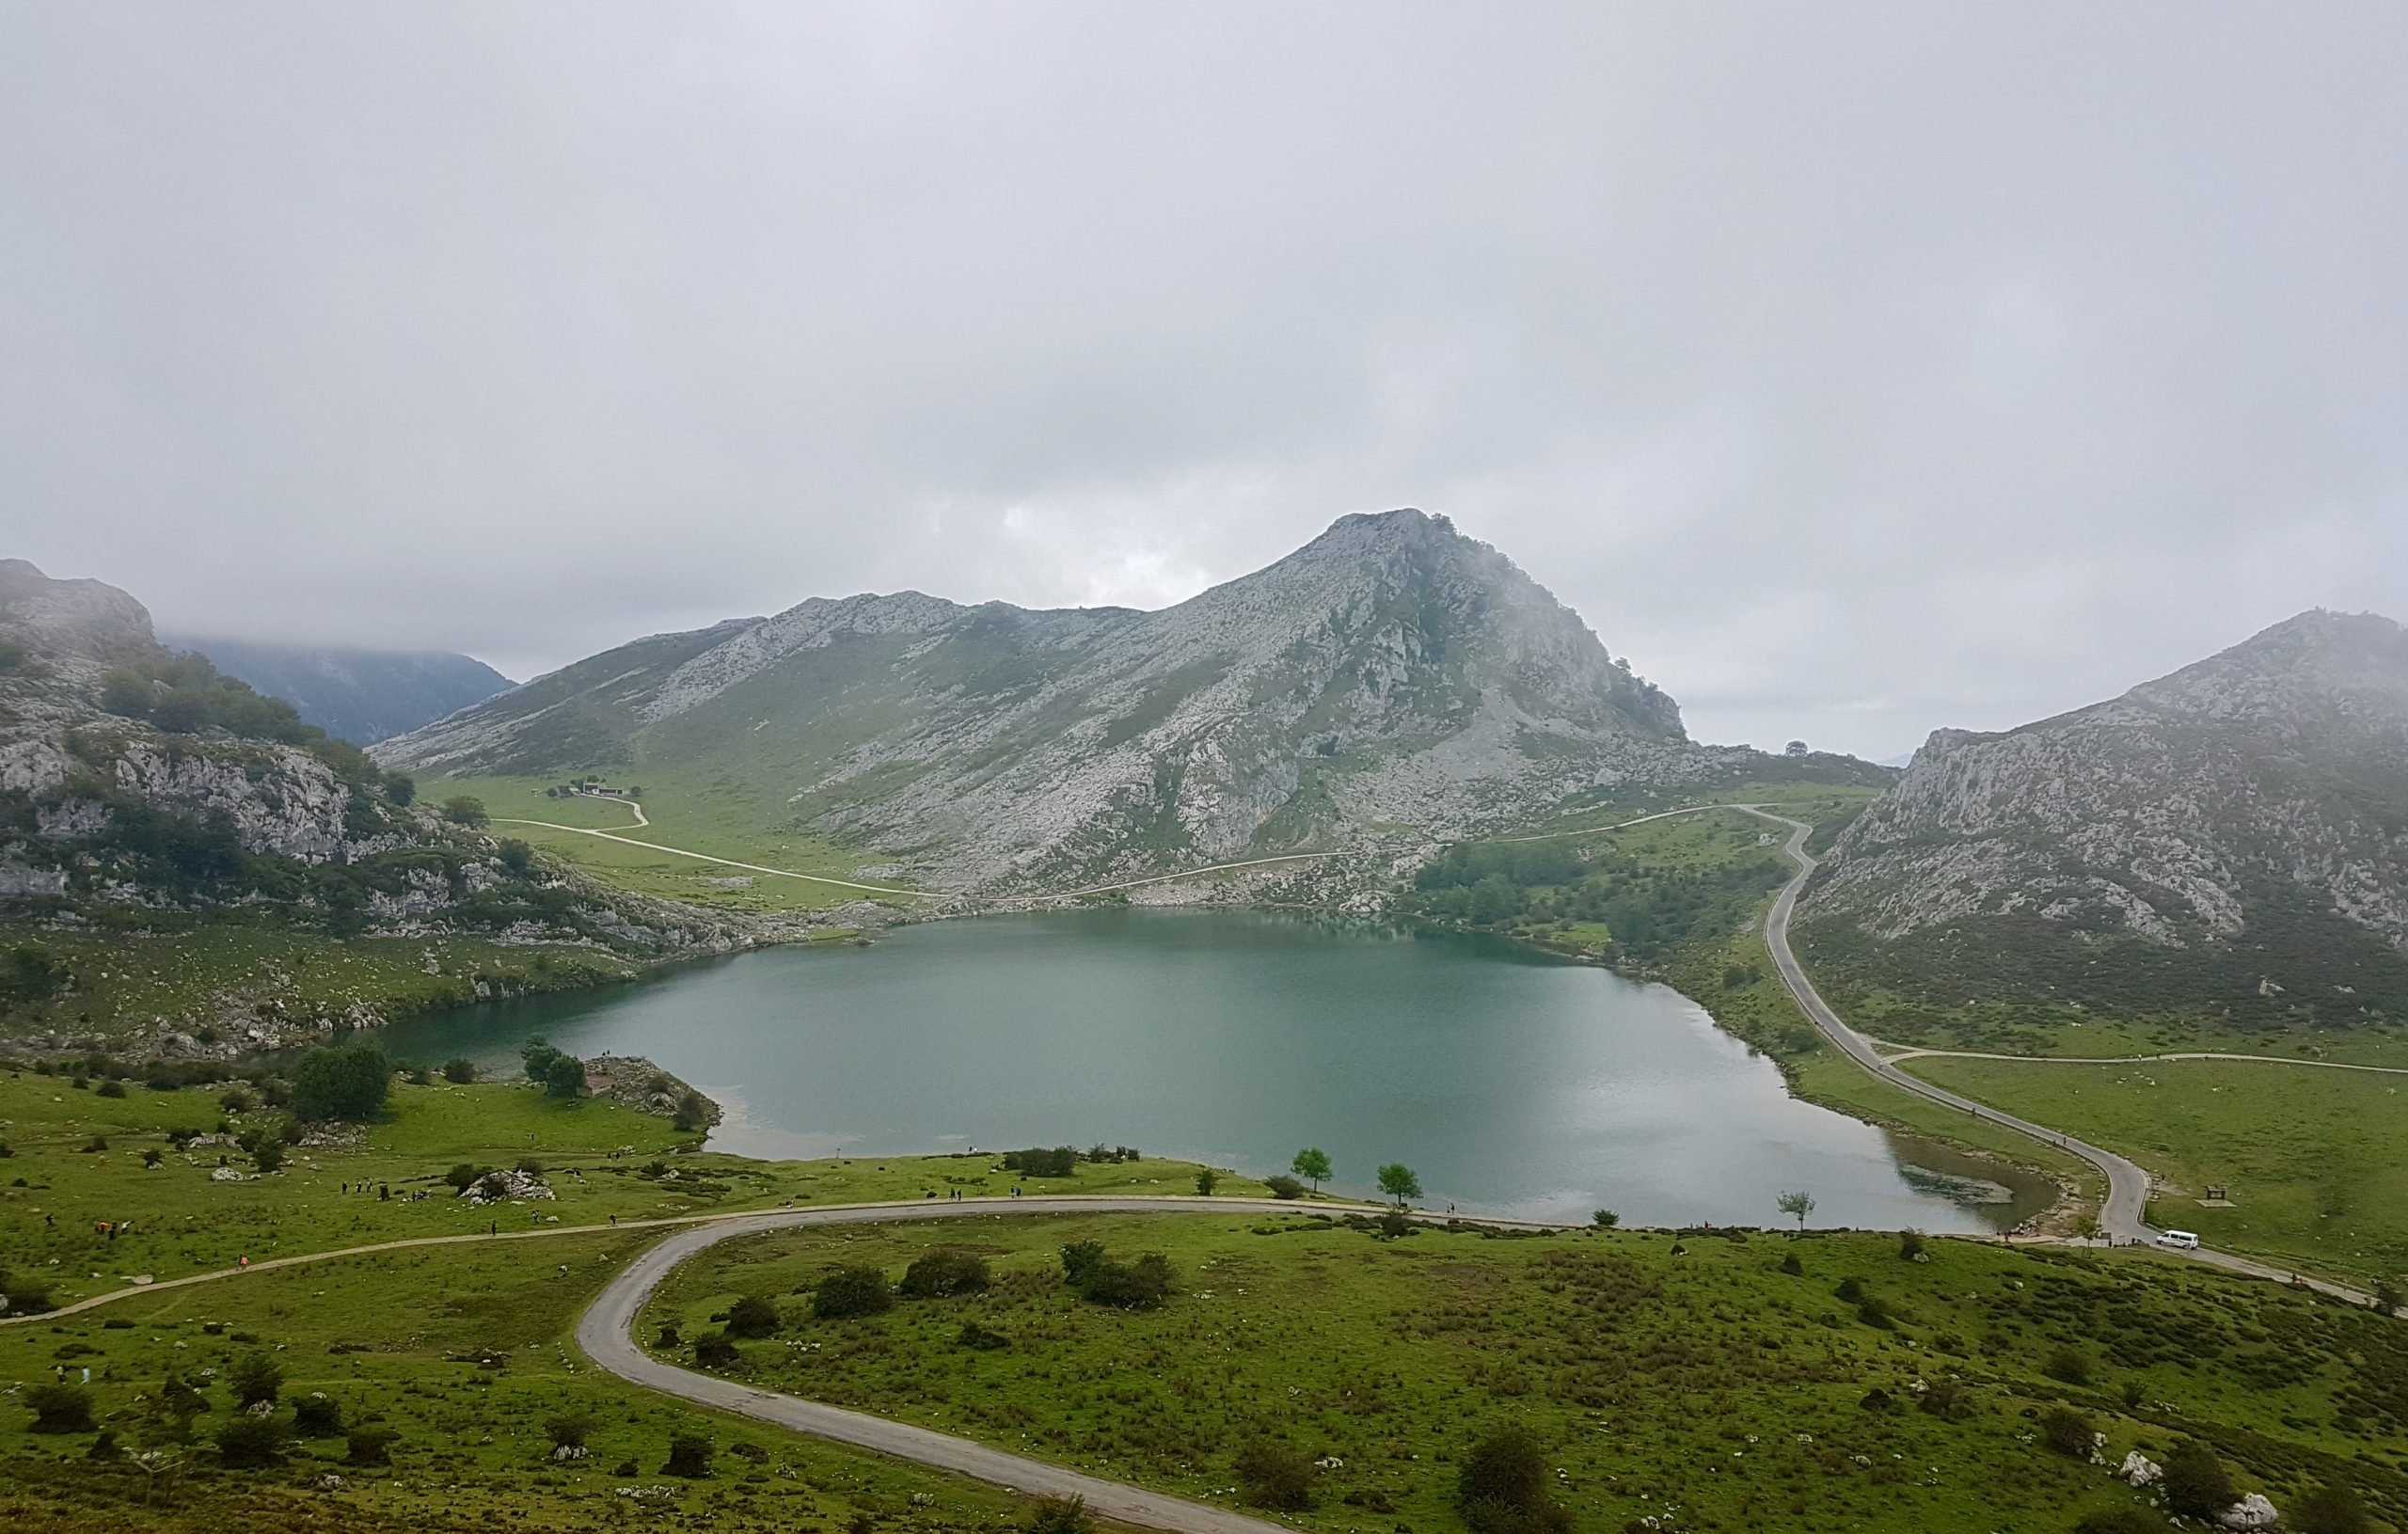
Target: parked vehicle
2183,1238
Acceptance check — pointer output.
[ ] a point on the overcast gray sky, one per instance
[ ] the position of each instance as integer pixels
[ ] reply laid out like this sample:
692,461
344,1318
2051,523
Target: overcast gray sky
1853,368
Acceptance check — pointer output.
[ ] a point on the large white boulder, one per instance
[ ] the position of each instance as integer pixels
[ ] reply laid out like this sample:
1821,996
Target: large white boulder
2138,1469
2251,1512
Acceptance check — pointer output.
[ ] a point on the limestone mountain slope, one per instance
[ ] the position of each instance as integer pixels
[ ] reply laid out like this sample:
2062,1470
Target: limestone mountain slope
2232,837
362,696
1391,675
143,793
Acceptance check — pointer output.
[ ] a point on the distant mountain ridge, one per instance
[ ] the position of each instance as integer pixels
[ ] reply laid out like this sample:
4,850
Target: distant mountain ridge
1390,674
362,696
2233,835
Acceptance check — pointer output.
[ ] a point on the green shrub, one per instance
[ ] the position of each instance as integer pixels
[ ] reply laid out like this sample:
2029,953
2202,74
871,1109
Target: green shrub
1501,1487
317,1415
1142,1285
975,1336
370,1446
569,1430
1060,1515
1060,1162
255,1378
943,1272
252,1443
466,810
689,1455
714,1350
1284,1186
2332,1510
1206,1180
2067,1431
348,1083
2070,1363
460,1070
2196,1483
1275,1476
2122,1521
466,1175
853,1290
754,1316
60,1408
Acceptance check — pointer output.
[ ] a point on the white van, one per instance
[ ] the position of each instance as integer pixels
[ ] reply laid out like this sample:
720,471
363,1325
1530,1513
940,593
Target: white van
2183,1238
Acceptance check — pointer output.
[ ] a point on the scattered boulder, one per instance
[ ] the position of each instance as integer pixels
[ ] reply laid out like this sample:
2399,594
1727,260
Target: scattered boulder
509,1186
2251,1512
2138,1469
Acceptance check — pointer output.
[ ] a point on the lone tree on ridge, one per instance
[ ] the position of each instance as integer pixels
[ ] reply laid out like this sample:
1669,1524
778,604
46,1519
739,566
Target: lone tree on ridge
1312,1165
1800,1204
1398,1181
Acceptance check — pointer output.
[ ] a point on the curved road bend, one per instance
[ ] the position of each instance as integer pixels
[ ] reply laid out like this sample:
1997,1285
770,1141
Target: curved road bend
604,1333
2123,1215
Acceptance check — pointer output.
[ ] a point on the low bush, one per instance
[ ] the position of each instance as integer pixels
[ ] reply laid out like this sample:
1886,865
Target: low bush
460,1070
1275,1476
1061,1515
2067,1431
689,1455
370,1446
252,1443
60,1408
1501,1487
2196,1483
1060,1162
255,1378
945,1271
569,1430
850,1292
754,1316
2122,1521
714,1350
2070,1363
317,1415
975,1336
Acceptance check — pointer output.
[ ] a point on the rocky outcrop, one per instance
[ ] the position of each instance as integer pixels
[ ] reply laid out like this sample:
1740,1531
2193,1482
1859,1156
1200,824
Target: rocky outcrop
2252,802
1392,677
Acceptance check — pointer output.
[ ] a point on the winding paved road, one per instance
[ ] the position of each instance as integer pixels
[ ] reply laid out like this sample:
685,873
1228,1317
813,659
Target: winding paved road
605,1336
2122,1216
1911,1051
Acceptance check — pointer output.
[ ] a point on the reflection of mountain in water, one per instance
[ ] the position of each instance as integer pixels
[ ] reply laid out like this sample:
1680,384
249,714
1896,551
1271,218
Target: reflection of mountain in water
1954,1186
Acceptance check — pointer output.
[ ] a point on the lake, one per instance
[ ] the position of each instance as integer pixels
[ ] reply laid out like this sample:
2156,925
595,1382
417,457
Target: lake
1512,1083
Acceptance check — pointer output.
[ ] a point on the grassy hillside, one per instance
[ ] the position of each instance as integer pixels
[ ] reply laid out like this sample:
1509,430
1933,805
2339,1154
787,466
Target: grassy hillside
2315,1161
1716,1380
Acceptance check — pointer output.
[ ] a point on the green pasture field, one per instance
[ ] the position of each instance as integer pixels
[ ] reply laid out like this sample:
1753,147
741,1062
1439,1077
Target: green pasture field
1688,1378
600,1159
464,1354
2316,1161
682,816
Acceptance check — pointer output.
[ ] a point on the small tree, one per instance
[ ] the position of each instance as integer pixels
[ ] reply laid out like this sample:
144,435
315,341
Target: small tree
317,1415
2067,1431
1909,1245
2196,1483
1312,1165
716,1350
1503,1487
2386,1296
537,1056
754,1316
569,1430
348,1083
60,1408
460,1070
267,1155
1800,1204
855,1290
465,1175
564,1077
2088,1228
1275,1476
2067,1363
1398,1181
466,810
1283,1186
1605,1219
2332,1510
945,1271
252,1443
1206,1180
370,1446
689,1455
255,1378
399,788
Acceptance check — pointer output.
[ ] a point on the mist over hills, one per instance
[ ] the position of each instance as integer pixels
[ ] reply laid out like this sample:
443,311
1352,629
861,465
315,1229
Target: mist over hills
362,696
2232,837
1391,675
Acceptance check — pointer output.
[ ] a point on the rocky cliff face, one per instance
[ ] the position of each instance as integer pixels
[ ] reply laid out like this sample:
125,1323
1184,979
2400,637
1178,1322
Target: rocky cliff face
1390,674
136,781
2250,811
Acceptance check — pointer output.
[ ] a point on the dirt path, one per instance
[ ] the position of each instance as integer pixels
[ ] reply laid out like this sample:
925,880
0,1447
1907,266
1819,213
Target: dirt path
1910,1051
724,862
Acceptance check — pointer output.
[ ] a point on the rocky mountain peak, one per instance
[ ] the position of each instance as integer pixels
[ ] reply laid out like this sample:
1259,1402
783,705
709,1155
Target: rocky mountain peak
89,619
2343,671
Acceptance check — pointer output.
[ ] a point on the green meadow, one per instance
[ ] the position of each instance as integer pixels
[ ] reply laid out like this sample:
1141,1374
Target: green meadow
1735,1381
